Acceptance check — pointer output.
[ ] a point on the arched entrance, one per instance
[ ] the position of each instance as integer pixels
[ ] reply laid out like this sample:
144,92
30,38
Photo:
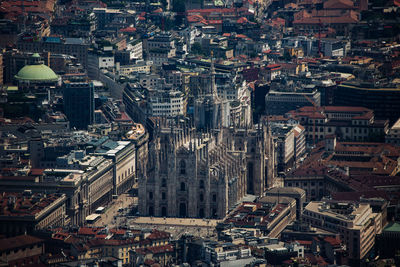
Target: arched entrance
250,177
201,213
182,210
163,211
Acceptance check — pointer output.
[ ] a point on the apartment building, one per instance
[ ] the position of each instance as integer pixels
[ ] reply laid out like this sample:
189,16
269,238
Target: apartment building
346,123
356,223
393,135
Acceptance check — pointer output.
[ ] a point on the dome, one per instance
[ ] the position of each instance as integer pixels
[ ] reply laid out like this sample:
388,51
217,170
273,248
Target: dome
37,73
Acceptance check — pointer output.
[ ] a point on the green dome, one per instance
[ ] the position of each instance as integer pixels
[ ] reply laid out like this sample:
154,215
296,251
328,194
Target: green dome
37,73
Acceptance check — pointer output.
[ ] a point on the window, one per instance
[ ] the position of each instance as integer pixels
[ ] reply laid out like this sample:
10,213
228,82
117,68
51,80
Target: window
183,186
150,195
214,197
163,182
201,197
163,196
182,167
201,184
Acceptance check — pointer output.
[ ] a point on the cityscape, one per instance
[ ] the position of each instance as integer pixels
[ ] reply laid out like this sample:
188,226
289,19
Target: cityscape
198,133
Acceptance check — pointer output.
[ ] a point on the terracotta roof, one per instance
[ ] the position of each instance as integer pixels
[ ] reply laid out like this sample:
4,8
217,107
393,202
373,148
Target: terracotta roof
211,10
333,241
338,4
326,20
20,241
273,67
128,29
156,235
25,205
36,172
161,249
89,230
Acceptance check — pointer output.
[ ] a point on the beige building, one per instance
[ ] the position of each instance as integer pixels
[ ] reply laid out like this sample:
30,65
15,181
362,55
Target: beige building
393,136
122,153
26,212
356,223
144,66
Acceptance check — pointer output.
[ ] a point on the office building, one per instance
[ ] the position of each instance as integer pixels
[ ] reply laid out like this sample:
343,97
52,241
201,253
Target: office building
358,94
356,223
78,96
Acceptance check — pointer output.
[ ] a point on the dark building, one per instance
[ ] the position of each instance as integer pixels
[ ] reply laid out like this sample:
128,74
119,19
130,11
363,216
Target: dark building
78,95
76,47
384,101
388,242
258,99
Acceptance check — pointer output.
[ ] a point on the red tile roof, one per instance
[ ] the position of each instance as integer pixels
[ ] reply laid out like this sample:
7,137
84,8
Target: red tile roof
89,230
338,4
36,172
333,241
157,235
128,29
161,249
24,205
16,242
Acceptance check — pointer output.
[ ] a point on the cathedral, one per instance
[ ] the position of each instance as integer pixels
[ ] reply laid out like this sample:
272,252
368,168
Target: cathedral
202,168
203,174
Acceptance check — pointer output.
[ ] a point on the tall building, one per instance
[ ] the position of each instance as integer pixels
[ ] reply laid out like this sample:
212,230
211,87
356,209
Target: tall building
356,223
78,95
190,174
369,95
210,111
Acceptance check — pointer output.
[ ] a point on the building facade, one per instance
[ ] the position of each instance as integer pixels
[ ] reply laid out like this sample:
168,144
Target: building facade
78,96
190,175
356,223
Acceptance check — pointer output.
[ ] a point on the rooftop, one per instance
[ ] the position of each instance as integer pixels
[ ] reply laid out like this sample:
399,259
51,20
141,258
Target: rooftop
25,204
37,73
21,241
392,227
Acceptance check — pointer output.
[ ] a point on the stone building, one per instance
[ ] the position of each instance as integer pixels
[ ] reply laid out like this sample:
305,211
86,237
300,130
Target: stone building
203,174
27,212
191,174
